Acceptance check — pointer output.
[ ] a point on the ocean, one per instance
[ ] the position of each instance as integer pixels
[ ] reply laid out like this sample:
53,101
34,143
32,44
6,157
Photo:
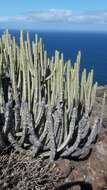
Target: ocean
93,47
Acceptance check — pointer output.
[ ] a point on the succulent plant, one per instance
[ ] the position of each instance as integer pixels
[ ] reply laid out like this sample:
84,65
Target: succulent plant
45,104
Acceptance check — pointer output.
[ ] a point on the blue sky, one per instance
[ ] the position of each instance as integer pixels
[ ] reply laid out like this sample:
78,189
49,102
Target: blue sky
54,15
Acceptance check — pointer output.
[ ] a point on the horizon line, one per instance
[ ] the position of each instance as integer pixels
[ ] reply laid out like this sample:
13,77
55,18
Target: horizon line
53,30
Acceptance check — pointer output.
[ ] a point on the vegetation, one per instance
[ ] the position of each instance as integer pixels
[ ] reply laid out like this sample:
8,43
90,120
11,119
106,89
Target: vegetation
44,105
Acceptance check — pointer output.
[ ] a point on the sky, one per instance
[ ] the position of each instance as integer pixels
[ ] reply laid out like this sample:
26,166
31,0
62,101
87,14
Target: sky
89,15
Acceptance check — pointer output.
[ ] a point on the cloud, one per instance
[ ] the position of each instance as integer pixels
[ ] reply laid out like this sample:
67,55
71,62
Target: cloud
60,16
91,17
51,15
4,19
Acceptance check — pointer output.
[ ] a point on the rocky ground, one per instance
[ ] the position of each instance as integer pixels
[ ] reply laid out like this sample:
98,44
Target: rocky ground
20,171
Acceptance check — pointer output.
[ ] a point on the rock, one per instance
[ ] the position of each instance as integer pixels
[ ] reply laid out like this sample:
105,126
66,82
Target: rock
63,167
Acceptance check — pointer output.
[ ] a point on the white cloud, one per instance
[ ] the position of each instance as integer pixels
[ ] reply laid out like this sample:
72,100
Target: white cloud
60,15
18,18
4,19
92,17
51,15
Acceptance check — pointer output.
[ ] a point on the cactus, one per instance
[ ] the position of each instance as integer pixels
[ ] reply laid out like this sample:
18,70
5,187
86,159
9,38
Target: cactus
45,104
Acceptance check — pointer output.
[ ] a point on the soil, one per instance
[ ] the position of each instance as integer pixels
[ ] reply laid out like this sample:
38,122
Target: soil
18,170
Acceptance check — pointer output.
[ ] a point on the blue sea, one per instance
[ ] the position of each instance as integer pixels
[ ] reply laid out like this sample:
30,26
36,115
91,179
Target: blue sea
93,47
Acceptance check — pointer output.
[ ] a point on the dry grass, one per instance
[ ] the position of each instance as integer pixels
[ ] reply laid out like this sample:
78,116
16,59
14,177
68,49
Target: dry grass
20,171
